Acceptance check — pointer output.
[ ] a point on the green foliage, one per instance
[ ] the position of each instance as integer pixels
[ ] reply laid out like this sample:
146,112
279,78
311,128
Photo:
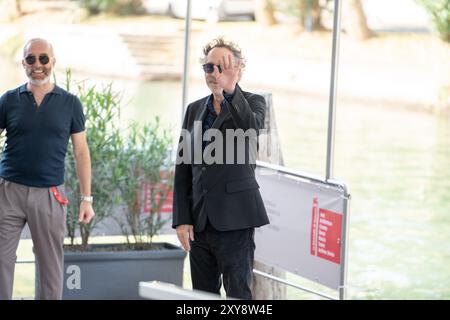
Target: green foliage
307,11
439,11
102,111
97,6
123,160
120,7
145,162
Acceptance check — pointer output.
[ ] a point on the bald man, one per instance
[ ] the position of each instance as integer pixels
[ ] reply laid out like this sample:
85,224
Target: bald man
39,118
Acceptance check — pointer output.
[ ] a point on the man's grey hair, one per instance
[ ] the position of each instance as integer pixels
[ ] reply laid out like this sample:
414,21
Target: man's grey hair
31,41
220,42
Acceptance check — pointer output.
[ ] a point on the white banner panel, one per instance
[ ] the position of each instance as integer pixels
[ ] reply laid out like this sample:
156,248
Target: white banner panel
306,226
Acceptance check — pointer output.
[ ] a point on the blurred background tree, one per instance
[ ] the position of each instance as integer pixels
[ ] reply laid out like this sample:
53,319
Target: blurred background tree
355,20
439,11
19,7
265,12
310,14
119,7
10,10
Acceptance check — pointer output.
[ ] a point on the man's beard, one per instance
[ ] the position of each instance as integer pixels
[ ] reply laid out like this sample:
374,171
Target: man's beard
39,82
212,84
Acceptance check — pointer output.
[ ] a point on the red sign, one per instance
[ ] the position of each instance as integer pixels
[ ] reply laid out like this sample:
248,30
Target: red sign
166,206
160,188
326,228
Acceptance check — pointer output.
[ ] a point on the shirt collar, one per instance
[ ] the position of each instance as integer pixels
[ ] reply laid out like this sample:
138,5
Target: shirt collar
23,88
56,89
209,104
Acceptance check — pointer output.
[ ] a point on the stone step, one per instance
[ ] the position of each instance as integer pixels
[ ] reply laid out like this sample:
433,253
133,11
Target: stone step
151,44
160,76
158,60
152,38
159,57
161,68
154,52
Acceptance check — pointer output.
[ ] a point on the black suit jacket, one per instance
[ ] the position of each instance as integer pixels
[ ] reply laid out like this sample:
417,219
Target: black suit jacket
225,194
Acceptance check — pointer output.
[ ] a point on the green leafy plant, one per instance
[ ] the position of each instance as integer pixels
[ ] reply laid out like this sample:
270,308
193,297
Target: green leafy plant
120,7
124,162
439,11
102,111
147,166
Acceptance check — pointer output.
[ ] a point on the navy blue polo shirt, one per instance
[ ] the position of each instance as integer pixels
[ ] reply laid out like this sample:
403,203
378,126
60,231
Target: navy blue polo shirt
37,137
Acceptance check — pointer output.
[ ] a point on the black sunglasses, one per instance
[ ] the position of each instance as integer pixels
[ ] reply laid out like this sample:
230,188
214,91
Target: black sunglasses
43,59
209,67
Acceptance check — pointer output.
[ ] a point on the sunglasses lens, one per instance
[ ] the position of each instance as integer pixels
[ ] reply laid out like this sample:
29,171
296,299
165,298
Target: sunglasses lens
44,59
208,68
30,59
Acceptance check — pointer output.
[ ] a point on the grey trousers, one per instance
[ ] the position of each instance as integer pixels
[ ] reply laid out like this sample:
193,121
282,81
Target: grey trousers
46,218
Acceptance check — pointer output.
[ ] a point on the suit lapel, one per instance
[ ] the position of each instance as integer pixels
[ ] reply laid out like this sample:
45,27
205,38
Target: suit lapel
201,115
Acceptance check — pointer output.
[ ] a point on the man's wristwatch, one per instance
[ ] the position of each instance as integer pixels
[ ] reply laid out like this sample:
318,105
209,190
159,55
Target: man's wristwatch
89,199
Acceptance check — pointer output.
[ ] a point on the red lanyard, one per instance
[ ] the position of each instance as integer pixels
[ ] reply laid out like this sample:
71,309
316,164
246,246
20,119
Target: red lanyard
58,196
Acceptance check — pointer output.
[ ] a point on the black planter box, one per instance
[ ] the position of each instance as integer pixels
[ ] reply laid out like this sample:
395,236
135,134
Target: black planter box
106,275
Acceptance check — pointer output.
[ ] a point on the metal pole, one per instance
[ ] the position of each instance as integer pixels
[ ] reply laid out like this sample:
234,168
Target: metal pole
187,40
333,88
344,245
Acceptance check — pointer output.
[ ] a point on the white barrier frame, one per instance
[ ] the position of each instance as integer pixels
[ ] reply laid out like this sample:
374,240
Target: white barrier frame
342,288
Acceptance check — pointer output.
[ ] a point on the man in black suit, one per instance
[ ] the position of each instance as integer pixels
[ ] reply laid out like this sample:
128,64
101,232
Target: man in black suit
217,203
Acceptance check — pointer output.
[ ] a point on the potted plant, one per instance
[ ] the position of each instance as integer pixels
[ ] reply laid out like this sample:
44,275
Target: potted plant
146,164
124,162
102,111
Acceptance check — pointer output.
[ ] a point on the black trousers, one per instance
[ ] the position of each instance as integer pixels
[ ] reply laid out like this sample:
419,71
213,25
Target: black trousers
223,255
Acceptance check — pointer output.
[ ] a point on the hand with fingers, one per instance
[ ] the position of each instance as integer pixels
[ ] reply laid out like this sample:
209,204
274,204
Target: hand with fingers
228,75
86,213
185,232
